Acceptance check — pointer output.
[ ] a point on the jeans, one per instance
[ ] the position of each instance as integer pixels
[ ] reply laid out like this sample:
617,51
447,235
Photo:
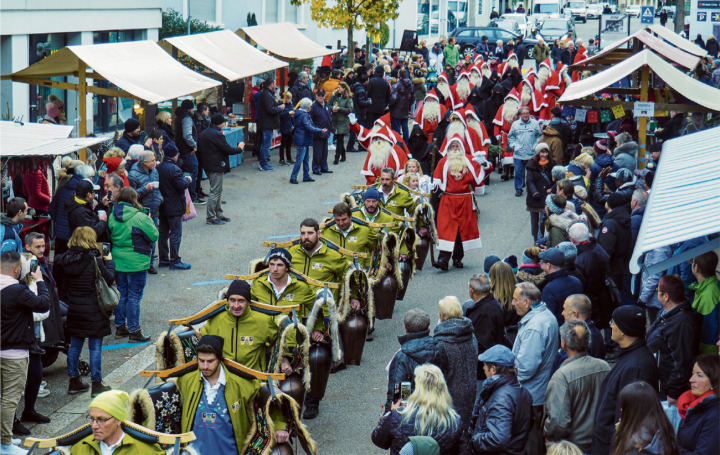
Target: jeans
131,286
537,224
170,231
190,165
400,125
302,158
519,173
320,154
73,357
214,202
265,147
13,374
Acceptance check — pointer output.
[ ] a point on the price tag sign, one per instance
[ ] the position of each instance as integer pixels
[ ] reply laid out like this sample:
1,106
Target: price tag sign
642,109
618,111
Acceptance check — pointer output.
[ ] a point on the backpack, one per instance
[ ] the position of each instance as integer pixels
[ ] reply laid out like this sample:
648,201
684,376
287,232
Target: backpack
12,244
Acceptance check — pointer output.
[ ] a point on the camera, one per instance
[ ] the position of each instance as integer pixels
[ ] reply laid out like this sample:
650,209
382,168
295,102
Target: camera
105,249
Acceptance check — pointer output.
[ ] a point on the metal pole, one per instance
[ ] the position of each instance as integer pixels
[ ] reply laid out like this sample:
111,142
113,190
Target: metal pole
188,20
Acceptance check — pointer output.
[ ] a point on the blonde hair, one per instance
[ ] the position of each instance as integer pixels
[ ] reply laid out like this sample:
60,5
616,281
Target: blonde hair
586,159
450,308
417,163
162,117
408,176
430,404
287,96
114,151
503,283
84,237
564,448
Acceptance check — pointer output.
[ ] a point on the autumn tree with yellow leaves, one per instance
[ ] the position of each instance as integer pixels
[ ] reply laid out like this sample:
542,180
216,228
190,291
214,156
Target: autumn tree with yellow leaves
351,15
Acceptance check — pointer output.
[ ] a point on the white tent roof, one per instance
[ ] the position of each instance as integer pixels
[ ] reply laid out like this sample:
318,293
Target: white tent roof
141,68
37,139
285,41
685,199
225,53
677,40
690,88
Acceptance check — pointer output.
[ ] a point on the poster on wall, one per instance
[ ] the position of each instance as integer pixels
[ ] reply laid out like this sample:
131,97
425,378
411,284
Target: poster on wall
613,27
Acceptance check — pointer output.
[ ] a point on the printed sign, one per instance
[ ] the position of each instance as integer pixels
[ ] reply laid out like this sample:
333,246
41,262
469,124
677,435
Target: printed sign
647,14
618,111
702,17
715,17
642,109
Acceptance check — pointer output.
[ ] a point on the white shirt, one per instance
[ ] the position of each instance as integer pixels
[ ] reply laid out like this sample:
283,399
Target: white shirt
312,253
108,450
211,391
387,196
345,233
278,291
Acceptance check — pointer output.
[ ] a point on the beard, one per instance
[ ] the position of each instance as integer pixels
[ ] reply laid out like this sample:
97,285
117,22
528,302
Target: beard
463,88
542,77
513,63
510,109
474,124
379,154
455,127
475,78
444,88
431,111
456,163
525,98
486,72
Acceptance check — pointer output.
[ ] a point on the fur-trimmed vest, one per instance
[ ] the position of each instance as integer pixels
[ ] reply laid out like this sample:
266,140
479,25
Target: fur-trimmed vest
557,227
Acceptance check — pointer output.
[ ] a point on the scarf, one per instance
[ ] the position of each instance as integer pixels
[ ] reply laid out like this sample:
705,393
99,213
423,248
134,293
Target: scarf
688,401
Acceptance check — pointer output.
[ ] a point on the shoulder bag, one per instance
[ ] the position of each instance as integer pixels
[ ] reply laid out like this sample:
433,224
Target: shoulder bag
108,296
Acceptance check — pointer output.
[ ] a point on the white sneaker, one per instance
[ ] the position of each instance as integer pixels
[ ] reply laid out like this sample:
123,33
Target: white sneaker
9,449
43,384
43,392
331,148
16,441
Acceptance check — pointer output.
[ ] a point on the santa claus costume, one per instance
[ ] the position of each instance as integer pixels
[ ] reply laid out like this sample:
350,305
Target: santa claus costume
503,122
364,135
580,55
462,87
474,124
430,114
457,175
448,95
532,98
383,152
458,126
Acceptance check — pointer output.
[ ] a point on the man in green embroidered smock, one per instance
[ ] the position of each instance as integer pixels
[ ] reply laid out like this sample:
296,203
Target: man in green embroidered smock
218,405
247,333
355,237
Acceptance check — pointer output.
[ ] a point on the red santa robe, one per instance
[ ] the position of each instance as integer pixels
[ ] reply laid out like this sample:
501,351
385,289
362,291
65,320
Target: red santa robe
396,160
502,127
428,126
457,211
364,135
579,57
473,142
537,100
453,88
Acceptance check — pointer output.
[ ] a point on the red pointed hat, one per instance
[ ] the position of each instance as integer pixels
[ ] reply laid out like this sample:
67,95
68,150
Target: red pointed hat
469,110
456,138
443,76
513,94
464,73
384,120
386,134
432,94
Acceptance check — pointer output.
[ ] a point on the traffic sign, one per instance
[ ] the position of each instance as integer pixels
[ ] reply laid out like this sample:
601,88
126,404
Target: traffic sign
702,16
647,14
715,17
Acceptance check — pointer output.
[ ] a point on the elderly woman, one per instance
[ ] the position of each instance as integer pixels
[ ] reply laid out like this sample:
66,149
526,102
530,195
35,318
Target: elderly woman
699,408
625,153
303,139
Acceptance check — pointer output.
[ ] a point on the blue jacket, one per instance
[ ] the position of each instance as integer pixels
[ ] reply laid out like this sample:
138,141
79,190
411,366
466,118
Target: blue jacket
152,199
559,285
126,141
523,137
648,289
57,208
535,349
321,117
304,129
698,433
172,187
286,120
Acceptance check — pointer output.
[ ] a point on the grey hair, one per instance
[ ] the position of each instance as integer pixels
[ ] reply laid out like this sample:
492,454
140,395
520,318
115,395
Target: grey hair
305,104
388,170
558,172
480,283
302,75
85,170
416,320
524,108
134,153
147,155
579,232
116,180
529,291
623,138
576,335
640,196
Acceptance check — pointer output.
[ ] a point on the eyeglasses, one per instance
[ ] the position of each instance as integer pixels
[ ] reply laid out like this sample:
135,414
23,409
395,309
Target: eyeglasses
99,421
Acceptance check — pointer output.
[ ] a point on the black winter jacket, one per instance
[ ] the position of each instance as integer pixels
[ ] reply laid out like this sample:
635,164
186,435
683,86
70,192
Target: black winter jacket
392,433
378,89
673,336
215,149
401,99
300,91
182,145
488,321
76,278
16,314
360,101
83,215
268,112
634,363
502,417
415,349
172,188
558,286
539,179
615,239
455,336
594,263
699,432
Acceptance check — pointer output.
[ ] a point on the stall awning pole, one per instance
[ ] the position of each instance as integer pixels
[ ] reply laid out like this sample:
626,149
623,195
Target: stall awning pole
82,106
644,81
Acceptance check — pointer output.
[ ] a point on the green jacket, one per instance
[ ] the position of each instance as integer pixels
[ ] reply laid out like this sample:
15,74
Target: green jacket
239,396
245,337
540,54
400,200
132,233
360,239
340,118
707,303
452,55
128,446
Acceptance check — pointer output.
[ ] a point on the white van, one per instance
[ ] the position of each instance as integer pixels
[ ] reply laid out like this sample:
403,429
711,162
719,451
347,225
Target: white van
542,9
578,9
459,8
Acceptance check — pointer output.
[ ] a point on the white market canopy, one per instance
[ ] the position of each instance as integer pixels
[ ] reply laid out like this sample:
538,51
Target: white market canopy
684,202
37,139
140,69
285,41
691,89
677,40
225,53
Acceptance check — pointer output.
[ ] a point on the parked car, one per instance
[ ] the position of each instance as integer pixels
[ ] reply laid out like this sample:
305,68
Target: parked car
507,24
468,37
670,11
524,22
594,10
577,9
556,27
633,10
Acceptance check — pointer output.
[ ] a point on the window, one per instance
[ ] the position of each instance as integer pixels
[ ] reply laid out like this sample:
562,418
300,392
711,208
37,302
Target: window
466,34
41,46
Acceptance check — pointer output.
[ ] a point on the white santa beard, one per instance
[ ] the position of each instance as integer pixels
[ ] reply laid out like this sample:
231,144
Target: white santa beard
510,109
431,111
525,97
486,72
456,163
566,77
444,88
513,63
474,124
542,76
463,88
455,128
475,78
379,154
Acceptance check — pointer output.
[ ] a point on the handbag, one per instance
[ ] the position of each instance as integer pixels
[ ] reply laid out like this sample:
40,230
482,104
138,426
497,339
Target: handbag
108,296
190,211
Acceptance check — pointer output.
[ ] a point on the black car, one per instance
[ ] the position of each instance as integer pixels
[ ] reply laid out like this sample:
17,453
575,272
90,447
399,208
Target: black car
469,37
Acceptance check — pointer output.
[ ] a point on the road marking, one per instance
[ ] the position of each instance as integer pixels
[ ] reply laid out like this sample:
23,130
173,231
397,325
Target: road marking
207,283
121,346
285,236
330,202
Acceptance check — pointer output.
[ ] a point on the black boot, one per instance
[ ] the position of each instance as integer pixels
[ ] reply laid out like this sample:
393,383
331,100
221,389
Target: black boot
99,387
138,337
77,386
336,160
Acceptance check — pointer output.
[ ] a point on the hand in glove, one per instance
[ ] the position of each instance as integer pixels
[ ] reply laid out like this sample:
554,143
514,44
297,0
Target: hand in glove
537,196
353,118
